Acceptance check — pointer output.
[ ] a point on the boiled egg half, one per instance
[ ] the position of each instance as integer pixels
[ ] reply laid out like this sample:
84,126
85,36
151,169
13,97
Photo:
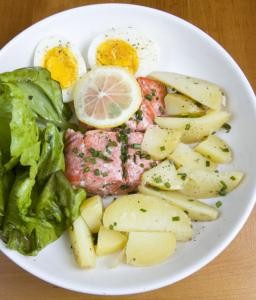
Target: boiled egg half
63,60
124,47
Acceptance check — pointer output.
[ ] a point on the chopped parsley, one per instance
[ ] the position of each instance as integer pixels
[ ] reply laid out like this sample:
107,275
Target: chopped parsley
162,148
233,178
176,218
207,163
81,154
149,97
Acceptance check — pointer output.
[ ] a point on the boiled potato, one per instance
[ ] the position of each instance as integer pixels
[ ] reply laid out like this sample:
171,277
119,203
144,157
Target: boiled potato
182,106
216,149
138,212
149,248
91,211
196,210
195,129
109,241
206,93
206,184
184,156
82,244
159,142
163,176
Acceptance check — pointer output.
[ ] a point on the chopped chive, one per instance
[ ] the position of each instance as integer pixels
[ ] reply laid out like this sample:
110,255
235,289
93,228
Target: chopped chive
86,169
207,163
124,186
136,146
149,97
81,154
218,204
183,176
162,148
176,218
224,149
187,127
233,178
97,172
138,115
167,185
227,127
157,179
143,209
111,227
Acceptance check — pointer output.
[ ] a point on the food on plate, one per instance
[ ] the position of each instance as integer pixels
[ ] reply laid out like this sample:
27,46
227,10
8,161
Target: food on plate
153,93
195,129
38,203
142,250
109,241
91,211
196,210
160,142
164,176
105,162
63,60
178,105
106,97
185,156
82,243
215,149
124,47
204,92
129,138
138,212
209,184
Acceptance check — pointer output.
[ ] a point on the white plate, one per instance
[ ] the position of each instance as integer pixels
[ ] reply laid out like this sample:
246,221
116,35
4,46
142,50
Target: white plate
185,49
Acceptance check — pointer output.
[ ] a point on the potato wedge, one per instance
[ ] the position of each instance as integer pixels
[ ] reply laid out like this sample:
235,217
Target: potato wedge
182,106
149,248
196,210
206,184
216,149
159,142
109,241
184,156
82,244
195,129
163,176
206,93
138,212
91,211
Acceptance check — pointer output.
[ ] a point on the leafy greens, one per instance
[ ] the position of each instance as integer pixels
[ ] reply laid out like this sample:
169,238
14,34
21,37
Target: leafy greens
37,203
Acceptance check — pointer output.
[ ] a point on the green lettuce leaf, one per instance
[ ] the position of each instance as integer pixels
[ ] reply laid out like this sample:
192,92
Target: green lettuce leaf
43,94
52,158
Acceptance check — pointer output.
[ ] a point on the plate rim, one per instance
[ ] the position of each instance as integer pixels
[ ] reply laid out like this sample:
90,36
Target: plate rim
232,234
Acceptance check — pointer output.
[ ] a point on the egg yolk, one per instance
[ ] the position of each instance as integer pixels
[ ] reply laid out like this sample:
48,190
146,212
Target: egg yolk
62,65
116,52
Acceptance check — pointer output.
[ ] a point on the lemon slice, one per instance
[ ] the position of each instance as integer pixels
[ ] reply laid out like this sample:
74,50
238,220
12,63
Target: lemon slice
106,97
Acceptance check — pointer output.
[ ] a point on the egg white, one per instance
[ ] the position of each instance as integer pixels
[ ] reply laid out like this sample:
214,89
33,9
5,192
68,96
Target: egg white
58,41
145,47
